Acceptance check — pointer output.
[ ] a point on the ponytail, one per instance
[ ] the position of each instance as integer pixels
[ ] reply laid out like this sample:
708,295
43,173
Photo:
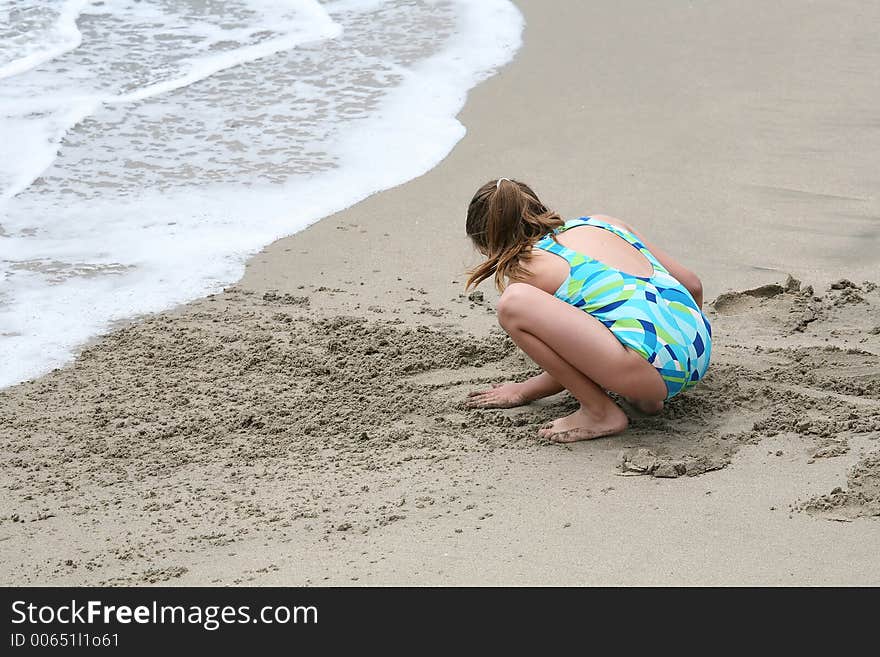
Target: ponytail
505,218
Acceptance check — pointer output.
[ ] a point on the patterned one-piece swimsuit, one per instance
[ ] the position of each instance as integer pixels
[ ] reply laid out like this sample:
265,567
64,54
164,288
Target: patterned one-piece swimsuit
654,315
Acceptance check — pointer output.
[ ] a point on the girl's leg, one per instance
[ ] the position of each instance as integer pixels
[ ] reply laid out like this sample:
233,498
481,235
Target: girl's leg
646,407
581,354
598,414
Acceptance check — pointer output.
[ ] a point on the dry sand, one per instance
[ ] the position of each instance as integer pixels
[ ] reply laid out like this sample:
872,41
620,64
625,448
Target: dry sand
307,427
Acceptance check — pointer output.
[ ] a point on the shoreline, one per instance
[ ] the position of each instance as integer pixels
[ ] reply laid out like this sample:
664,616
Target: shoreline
209,230
269,436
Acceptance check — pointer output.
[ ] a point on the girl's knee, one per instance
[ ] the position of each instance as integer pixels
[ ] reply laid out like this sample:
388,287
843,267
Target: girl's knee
514,300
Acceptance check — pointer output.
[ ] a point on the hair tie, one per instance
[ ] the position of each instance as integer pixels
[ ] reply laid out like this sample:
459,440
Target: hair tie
498,184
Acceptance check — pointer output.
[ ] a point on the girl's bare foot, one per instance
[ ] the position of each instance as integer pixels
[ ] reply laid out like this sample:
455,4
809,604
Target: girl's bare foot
584,425
646,407
500,395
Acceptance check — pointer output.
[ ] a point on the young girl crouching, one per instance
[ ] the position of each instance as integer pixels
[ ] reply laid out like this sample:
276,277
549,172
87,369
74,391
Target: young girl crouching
593,303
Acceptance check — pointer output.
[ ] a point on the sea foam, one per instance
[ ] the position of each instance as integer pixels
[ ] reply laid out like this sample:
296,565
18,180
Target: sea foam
148,148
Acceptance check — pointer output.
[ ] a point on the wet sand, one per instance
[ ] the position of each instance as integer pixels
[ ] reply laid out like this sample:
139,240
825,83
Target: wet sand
307,425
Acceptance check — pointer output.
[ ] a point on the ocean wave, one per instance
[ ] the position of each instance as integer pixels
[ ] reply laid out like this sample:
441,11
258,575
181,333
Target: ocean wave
142,192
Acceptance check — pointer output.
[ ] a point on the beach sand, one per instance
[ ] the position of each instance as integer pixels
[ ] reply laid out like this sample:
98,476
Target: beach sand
307,425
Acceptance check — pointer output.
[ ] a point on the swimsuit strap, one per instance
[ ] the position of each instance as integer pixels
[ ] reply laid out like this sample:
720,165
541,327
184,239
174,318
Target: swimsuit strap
547,243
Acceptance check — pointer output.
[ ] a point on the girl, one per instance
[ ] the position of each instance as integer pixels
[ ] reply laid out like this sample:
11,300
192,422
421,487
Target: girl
593,303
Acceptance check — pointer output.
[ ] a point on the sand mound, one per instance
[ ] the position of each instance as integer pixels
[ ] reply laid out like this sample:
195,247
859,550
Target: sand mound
860,498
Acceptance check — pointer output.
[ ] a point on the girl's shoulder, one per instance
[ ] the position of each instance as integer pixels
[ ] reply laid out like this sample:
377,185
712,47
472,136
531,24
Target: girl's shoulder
543,270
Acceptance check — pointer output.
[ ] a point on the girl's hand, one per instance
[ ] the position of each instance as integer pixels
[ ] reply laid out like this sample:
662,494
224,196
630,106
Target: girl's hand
500,395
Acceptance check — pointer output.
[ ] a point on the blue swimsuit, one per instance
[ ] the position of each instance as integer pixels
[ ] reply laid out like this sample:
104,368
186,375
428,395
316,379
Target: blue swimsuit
654,315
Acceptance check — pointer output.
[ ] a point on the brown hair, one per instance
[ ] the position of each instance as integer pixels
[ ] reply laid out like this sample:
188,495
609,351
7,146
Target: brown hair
504,219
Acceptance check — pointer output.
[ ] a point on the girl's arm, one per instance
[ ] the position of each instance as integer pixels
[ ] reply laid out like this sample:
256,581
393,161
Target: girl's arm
507,395
540,386
681,273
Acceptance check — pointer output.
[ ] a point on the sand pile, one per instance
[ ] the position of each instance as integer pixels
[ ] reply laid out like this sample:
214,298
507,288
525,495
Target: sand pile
860,498
258,414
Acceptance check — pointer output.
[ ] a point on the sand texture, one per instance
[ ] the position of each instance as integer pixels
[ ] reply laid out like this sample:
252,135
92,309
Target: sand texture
259,417
307,425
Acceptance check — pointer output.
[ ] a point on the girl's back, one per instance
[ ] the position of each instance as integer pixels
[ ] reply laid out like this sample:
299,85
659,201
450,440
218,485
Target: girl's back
550,271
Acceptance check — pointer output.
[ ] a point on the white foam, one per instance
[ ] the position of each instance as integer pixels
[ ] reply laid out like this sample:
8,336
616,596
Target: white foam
36,142
49,34
318,26
160,199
